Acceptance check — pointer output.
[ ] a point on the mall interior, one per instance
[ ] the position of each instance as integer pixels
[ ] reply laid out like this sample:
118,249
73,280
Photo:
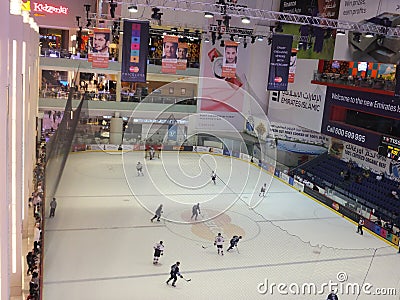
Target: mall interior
312,98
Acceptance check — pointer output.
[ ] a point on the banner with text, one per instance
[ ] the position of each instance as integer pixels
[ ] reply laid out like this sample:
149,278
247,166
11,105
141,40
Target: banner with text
135,51
397,88
365,158
281,50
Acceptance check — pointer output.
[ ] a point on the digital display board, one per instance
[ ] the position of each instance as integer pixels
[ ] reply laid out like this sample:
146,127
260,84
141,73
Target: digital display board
390,147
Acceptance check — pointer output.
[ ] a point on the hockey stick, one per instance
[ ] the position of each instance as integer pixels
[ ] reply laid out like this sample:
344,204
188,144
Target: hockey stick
205,247
237,249
187,280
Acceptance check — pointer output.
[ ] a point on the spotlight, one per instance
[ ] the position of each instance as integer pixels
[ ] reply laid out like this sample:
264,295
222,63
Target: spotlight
206,39
253,39
260,38
174,29
208,15
232,38
133,8
226,21
87,7
78,18
89,23
245,43
357,37
156,15
245,20
369,35
269,40
278,27
213,37
340,32
113,6
222,44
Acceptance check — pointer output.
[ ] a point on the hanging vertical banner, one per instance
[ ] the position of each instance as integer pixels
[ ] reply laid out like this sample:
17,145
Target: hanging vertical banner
100,48
281,50
182,56
172,132
230,59
170,56
292,66
135,51
397,87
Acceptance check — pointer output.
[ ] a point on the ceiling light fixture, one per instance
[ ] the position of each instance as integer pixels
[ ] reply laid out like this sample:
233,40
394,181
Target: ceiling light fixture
246,20
260,38
208,15
133,8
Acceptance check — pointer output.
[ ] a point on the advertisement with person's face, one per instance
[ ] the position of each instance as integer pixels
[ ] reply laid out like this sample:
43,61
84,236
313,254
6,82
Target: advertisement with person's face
182,56
230,57
170,54
100,47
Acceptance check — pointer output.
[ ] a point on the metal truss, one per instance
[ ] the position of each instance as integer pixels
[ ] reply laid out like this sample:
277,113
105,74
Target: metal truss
258,14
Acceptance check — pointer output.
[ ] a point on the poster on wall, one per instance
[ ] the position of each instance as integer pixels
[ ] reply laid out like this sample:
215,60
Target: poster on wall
303,103
281,50
100,47
182,56
170,54
230,59
135,51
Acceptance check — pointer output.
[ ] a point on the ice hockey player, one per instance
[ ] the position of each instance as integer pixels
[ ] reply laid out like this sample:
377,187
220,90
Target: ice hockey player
219,242
263,189
213,177
195,211
139,169
158,250
234,241
174,273
157,214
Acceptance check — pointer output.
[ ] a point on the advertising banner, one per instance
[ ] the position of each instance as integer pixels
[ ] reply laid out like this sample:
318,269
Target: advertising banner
397,88
365,158
170,54
303,103
279,62
230,59
182,56
172,132
292,66
135,51
100,47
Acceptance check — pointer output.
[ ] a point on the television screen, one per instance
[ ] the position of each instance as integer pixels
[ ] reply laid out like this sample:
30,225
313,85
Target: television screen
362,66
64,83
335,64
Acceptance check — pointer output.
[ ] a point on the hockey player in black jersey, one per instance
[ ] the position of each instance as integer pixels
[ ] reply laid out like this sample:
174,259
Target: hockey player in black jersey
234,241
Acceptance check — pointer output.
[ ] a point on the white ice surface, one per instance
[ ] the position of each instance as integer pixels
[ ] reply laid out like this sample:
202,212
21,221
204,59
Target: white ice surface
99,245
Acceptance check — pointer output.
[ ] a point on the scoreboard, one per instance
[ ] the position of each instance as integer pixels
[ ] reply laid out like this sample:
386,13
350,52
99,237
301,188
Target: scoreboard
390,147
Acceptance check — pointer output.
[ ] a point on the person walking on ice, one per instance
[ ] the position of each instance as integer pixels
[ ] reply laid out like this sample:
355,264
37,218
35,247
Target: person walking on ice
219,242
214,177
233,242
139,168
195,211
158,250
157,214
174,273
360,226
263,189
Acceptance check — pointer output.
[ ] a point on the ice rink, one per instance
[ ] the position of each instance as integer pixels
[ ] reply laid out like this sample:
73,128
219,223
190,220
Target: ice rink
100,243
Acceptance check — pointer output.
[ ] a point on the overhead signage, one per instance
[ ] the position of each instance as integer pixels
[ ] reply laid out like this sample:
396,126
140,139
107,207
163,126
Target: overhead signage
37,7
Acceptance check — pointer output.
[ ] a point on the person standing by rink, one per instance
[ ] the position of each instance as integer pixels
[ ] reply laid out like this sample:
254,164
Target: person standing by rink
157,214
158,250
53,205
332,296
139,169
233,242
213,177
263,189
360,226
195,211
174,273
219,242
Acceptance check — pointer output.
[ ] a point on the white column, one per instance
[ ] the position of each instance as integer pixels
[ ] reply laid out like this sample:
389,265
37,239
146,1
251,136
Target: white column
116,131
4,191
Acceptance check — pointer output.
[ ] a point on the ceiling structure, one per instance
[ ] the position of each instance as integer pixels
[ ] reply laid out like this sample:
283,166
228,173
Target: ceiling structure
262,14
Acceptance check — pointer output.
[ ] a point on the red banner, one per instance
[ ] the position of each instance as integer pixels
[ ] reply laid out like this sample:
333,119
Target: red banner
230,59
170,55
100,47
